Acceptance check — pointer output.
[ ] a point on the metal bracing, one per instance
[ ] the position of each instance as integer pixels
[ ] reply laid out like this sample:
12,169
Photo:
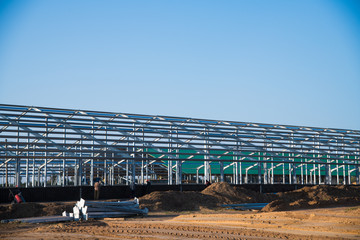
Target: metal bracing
48,146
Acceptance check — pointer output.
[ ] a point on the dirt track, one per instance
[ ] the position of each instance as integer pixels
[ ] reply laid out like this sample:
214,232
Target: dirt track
327,223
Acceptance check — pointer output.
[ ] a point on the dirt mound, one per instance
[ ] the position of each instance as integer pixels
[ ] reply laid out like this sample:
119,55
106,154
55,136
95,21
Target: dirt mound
316,196
211,197
28,209
227,194
177,201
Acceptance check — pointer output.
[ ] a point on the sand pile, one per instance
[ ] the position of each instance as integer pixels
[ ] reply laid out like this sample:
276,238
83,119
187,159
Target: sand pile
23,210
316,196
211,197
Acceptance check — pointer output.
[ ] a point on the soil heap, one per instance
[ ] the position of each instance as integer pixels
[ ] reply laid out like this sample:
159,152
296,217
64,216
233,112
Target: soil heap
316,196
227,194
29,209
177,201
211,197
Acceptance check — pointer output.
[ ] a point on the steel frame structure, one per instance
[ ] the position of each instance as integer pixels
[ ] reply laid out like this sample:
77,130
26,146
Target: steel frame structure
42,146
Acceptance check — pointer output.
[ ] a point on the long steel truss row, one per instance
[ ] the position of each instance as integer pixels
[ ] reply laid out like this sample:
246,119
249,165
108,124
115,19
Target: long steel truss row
47,147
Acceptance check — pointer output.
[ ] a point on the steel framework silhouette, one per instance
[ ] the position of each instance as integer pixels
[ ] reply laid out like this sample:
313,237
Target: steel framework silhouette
42,146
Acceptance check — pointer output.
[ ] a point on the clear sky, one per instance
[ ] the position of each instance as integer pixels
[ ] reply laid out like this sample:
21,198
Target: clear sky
286,62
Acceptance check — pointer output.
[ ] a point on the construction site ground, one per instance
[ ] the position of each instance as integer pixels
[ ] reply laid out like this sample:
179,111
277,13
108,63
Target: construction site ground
322,223
318,212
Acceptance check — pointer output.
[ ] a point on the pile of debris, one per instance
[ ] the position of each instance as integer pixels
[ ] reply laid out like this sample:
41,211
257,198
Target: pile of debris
84,210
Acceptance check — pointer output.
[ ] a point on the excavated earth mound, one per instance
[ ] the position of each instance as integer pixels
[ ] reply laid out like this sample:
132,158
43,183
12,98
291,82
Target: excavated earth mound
177,201
23,210
316,196
227,194
211,197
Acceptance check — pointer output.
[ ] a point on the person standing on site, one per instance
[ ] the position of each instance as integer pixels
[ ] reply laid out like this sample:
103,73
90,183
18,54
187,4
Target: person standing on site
207,183
148,186
96,190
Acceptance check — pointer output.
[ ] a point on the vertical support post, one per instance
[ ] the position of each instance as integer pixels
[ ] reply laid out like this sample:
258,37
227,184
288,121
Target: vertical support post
17,163
142,171
142,156
33,168
357,173
337,172
272,172
206,157
170,167
240,172
290,173
27,161
6,166
259,170
147,167
64,159
105,160
239,157
127,172
302,172
197,175
80,163
294,177
112,175
306,172
63,173
328,173
92,156
234,173
314,174
178,164
222,179
38,177
133,167
105,172
46,148
283,169
246,176
236,153
266,176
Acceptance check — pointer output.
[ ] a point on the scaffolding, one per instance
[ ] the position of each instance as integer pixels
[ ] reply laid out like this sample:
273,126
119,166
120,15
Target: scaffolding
46,147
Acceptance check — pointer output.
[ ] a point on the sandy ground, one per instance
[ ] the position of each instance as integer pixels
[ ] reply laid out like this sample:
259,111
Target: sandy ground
324,223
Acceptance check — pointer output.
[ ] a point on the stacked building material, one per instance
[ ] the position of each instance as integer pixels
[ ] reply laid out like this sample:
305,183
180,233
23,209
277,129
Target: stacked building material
101,209
83,210
40,219
245,206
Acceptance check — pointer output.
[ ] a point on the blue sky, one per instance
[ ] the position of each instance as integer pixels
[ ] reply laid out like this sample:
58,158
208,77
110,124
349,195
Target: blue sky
285,62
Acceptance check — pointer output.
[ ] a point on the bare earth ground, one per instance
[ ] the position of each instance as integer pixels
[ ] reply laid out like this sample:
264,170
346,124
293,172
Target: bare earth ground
320,223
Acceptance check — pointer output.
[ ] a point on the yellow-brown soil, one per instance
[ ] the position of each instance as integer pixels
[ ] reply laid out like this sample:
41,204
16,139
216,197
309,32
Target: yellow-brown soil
325,223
